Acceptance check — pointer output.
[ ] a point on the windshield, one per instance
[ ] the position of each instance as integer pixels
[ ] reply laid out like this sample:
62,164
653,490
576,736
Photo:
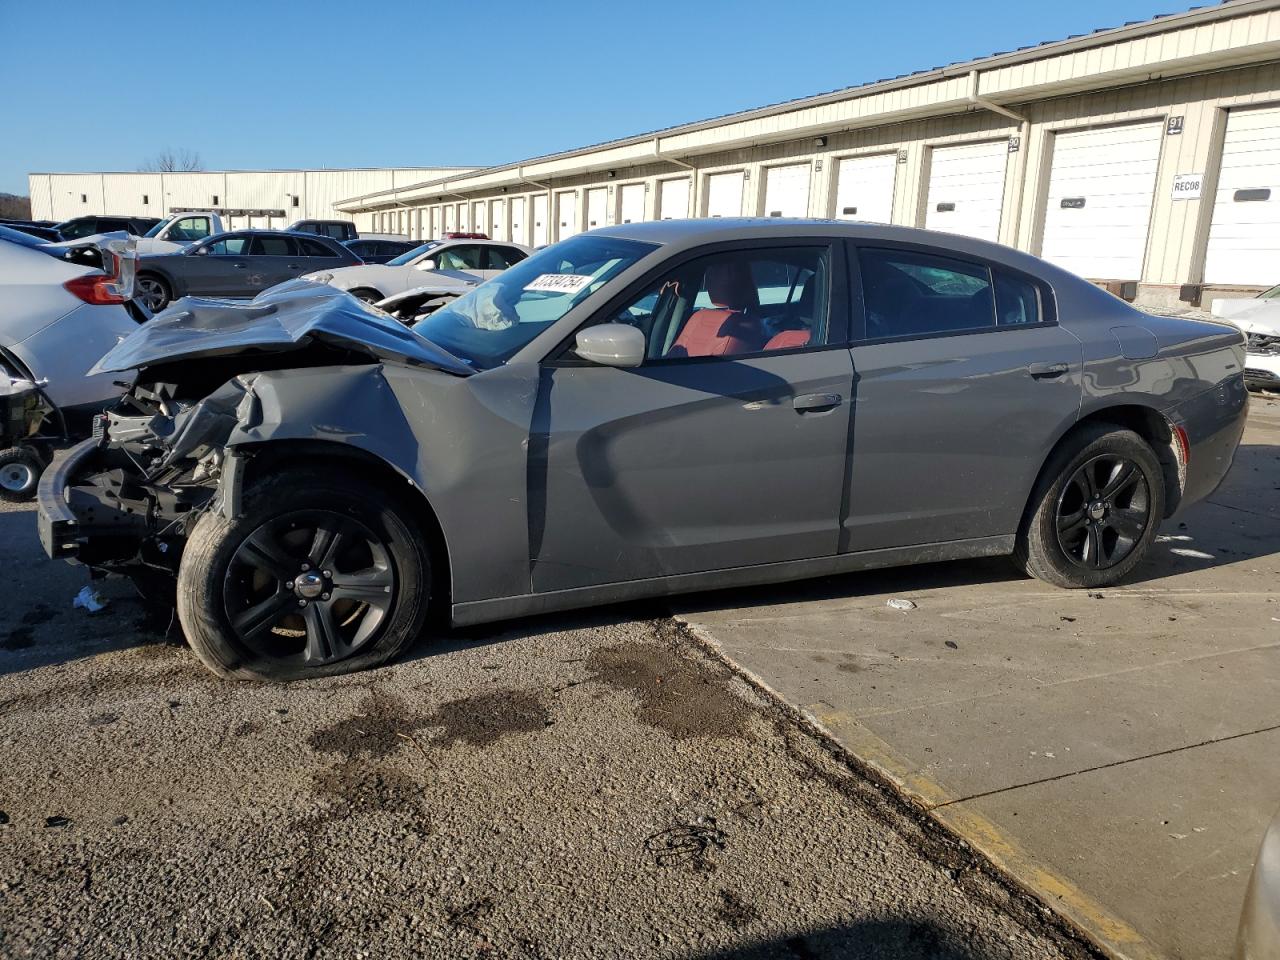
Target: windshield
1272,294
412,255
487,326
155,231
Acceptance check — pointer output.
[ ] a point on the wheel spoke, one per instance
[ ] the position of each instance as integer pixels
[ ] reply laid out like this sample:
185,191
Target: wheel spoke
1093,546
262,616
373,586
261,550
1129,524
326,544
1069,523
324,641
1123,476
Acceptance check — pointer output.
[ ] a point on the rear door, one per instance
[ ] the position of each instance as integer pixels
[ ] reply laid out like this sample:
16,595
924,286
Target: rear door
724,449
963,379
274,259
313,255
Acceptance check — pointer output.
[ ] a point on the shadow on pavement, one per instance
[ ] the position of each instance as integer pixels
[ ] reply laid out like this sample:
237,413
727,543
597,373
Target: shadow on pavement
862,940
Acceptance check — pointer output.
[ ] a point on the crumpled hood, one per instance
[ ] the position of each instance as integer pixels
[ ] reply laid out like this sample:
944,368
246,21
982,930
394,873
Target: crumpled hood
286,317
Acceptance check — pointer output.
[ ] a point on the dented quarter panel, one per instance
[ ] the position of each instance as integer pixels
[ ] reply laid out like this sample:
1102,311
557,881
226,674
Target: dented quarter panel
459,441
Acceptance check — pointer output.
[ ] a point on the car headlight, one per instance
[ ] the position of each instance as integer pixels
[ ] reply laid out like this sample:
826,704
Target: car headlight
317,277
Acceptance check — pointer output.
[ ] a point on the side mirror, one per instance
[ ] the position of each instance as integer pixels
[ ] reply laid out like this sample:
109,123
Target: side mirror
427,264
611,345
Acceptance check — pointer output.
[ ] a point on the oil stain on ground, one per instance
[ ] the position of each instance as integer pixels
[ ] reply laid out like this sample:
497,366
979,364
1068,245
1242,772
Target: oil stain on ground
682,696
23,635
381,729
485,719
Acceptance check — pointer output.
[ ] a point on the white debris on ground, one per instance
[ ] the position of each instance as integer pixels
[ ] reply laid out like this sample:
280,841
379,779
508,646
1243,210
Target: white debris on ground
89,600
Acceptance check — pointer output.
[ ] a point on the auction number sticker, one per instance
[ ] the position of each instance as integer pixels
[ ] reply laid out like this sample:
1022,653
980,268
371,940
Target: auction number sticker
560,282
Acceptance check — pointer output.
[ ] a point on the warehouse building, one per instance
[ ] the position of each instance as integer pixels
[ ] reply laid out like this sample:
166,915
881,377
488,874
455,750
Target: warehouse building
244,198
1145,157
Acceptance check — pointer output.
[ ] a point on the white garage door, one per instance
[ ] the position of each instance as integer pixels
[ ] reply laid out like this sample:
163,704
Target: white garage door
1101,184
597,204
464,218
478,217
673,201
567,214
517,220
786,191
498,217
724,194
540,220
435,224
450,223
966,189
1244,240
631,203
864,188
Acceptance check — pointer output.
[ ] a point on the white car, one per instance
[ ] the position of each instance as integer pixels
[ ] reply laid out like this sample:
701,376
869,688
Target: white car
175,233
1259,318
447,263
57,319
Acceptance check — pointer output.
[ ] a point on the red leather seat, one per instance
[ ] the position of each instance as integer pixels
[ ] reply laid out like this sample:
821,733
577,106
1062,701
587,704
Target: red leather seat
725,329
788,340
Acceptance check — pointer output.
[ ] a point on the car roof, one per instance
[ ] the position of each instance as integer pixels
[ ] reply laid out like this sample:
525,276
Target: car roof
678,234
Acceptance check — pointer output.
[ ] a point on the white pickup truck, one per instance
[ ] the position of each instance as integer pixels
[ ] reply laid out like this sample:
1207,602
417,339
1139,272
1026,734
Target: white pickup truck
172,233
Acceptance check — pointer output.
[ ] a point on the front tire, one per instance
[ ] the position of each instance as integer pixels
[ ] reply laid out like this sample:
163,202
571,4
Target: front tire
20,470
153,292
1095,511
319,575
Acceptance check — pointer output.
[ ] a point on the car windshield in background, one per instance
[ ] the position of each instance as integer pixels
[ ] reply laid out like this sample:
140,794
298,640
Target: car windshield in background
491,323
1272,294
412,255
156,229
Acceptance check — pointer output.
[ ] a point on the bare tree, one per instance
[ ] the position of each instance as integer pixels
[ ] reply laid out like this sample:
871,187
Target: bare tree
172,161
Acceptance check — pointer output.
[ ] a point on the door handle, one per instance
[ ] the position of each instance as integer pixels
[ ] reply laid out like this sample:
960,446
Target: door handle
816,402
1047,371
239,266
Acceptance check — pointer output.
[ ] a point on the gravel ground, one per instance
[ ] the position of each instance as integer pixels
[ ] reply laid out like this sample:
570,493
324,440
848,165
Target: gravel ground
564,787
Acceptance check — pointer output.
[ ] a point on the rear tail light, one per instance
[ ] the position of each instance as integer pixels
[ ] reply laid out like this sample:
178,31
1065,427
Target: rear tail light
96,288
1183,443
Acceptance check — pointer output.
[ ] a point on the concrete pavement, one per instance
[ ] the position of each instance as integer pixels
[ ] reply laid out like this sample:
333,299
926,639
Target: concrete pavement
1117,751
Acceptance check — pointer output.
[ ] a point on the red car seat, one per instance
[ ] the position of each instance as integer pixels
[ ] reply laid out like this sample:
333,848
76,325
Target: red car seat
725,328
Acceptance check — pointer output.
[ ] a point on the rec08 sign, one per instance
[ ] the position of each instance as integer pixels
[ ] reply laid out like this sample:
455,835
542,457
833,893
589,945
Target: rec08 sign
1187,186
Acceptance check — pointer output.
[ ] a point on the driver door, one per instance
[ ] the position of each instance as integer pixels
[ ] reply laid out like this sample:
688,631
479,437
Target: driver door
219,268
726,448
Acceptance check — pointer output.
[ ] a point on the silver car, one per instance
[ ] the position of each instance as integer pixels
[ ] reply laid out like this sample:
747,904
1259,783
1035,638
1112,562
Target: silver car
635,412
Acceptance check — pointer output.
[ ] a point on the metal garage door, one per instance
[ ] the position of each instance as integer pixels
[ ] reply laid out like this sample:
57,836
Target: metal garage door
597,204
566,214
478,218
1244,240
966,189
864,188
517,220
498,219
541,220
724,194
450,218
631,203
464,218
435,223
673,199
1101,184
786,191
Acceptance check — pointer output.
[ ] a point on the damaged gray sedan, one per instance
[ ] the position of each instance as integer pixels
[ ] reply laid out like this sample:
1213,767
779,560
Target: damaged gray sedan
635,412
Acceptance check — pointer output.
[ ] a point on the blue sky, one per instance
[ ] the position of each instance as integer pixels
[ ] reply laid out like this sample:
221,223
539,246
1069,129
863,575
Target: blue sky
261,83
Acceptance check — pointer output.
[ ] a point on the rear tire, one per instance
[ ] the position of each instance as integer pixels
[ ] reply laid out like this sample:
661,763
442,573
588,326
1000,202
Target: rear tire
20,469
321,574
1095,510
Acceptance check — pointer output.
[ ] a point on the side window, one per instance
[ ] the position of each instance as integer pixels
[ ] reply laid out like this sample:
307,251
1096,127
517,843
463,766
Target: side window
499,258
736,304
266,245
190,228
914,294
229,247
461,258
1017,301
309,248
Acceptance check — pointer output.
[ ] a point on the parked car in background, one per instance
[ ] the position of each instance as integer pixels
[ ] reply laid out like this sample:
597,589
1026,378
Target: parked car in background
638,411
176,232
333,229
443,261
80,227
57,319
45,233
1259,318
236,265
372,250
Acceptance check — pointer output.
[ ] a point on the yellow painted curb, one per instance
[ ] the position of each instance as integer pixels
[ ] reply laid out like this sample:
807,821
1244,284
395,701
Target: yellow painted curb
1115,937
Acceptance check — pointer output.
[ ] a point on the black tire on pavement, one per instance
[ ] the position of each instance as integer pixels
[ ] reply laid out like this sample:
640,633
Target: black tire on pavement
321,574
1095,510
153,291
20,469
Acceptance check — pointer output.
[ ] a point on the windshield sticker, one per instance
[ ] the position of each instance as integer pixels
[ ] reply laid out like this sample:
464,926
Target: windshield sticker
560,282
